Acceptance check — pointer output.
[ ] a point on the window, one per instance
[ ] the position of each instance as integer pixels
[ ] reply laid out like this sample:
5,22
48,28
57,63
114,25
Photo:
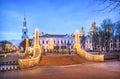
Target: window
87,41
46,42
65,42
65,47
111,41
68,41
114,45
115,40
43,42
58,42
61,42
54,41
111,45
90,41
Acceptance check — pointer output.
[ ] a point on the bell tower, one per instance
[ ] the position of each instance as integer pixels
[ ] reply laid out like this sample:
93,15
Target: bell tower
24,29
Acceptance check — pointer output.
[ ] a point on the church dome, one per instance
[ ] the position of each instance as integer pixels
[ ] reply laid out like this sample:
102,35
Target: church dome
93,27
82,32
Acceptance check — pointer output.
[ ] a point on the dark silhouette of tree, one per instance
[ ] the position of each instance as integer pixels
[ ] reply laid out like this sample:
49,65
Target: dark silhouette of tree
82,41
22,44
101,39
106,32
95,40
112,4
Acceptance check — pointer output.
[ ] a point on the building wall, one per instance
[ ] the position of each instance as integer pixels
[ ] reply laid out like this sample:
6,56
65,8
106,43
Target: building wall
115,44
60,42
88,44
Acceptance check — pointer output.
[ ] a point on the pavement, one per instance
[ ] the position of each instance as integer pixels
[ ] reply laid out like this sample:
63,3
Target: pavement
58,60
89,70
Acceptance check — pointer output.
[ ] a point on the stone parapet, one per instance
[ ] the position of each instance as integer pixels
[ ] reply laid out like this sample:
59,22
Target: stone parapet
26,63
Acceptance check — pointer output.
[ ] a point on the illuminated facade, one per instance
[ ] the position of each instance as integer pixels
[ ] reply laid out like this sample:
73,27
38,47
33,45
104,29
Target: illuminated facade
56,42
7,47
88,43
51,45
115,44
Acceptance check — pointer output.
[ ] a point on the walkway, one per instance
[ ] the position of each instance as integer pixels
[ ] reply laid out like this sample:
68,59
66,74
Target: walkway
105,70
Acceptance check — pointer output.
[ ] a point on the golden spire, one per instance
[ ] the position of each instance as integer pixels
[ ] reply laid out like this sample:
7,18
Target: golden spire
24,16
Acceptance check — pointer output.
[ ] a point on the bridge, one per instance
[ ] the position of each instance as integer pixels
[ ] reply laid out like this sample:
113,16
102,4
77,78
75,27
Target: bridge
35,59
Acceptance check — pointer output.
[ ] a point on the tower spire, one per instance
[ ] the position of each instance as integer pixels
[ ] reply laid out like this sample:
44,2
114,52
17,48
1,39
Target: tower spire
24,29
24,14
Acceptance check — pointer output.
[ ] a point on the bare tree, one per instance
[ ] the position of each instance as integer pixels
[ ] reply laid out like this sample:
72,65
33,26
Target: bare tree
112,5
107,31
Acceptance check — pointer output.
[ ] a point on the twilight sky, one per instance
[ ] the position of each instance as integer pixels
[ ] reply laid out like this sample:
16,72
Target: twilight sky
50,16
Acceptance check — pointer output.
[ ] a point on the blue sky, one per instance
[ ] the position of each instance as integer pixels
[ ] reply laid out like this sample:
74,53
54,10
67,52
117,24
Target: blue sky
50,16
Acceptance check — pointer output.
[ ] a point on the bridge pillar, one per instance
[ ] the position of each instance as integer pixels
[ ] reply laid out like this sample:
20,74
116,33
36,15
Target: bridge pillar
77,45
27,46
36,40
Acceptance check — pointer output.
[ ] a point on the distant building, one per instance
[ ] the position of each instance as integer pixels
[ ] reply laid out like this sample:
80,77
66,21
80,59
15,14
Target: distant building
7,47
94,36
64,42
82,38
88,43
115,41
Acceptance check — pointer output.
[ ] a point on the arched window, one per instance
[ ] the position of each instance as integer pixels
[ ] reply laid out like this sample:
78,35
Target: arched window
65,42
61,42
68,42
42,41
58,42
46,42
71,41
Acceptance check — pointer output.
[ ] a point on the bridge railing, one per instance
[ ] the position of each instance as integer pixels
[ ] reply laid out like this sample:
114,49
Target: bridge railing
90,57
25,63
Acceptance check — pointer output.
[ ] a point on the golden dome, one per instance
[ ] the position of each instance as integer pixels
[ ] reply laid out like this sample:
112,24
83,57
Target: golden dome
82,32
94,27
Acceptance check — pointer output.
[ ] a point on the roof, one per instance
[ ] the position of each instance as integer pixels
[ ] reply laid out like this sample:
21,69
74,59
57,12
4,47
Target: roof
5,41
56,35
